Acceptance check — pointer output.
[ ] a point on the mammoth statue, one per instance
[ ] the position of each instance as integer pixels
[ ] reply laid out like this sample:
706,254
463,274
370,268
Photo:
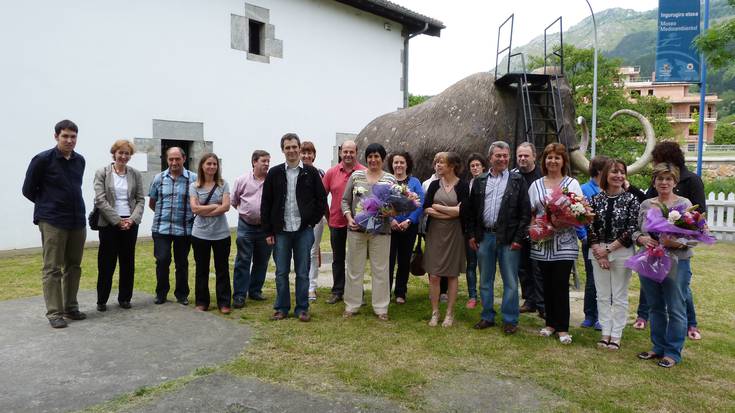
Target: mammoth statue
468,116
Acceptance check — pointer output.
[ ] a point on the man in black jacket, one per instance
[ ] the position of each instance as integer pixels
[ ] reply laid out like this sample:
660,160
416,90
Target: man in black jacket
294,200
498,215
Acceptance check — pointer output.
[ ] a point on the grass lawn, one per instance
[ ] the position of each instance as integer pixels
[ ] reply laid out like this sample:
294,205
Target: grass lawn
398,360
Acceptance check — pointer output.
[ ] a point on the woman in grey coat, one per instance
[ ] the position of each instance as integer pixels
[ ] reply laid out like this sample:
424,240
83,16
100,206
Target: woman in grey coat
119,197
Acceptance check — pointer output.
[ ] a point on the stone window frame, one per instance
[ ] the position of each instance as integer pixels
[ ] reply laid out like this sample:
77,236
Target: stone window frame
240,34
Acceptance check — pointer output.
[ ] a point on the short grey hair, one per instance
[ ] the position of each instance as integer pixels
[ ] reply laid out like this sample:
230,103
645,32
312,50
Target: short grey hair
528,145
497,144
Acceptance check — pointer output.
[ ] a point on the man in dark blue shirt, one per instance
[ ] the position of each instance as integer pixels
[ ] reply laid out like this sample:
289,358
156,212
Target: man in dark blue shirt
54,184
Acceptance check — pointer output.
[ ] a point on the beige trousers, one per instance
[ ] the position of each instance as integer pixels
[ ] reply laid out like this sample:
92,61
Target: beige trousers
359,246
62,259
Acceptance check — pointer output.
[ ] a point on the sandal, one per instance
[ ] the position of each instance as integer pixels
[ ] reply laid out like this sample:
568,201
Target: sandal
693,333
649,355
602,343
546,332
566,339
613,346
400,300
348,314
434,319
666,362
640,324
382,316
448,321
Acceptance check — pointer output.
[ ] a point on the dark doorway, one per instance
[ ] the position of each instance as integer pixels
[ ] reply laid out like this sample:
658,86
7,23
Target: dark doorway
255,37
170,143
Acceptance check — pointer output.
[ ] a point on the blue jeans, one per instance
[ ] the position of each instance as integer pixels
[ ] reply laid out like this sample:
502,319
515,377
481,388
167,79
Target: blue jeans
297,244
590,292
643,308
488,254
251,249
471,272
668,311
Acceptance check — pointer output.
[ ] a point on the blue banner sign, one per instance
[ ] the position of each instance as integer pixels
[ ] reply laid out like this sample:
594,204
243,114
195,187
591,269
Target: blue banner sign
677,60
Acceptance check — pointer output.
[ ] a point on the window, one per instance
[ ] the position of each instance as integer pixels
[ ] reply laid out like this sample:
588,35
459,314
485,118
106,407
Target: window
650,92
255,37
693,110
635,93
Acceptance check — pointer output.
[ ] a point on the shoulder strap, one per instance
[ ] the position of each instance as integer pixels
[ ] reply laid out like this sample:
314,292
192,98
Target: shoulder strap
209,196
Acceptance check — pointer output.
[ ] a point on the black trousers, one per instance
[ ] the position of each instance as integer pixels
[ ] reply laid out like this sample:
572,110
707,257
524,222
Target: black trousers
532,282
116,245
162,252
401,247
202,253
556,292
338,240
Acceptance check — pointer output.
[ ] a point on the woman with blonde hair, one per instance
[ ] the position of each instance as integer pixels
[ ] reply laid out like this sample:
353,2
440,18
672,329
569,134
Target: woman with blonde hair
119,197
210,200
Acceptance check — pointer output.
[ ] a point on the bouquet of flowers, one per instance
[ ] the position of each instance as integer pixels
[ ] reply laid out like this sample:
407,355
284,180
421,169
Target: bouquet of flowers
564,209
679,222
386,201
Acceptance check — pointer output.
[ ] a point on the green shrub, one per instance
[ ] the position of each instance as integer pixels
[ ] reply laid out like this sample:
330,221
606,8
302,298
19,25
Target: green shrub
725,185
724,134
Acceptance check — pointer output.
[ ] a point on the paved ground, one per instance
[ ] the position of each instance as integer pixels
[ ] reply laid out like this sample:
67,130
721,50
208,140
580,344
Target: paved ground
111,353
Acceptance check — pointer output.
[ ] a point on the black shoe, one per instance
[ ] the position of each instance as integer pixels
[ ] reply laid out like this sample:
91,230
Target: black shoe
75,315
238,303
183,301
57,323
160,300
334,299
542,314
527,308
483,324
257,297
101,307
125,304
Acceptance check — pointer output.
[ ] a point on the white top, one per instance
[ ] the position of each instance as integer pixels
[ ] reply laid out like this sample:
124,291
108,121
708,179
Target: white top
564,244
122,206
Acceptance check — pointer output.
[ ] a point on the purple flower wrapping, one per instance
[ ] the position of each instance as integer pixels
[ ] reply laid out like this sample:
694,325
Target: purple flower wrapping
656,222
652,263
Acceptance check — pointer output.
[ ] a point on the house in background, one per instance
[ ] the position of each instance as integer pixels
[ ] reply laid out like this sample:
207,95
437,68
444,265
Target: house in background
228,76
684,105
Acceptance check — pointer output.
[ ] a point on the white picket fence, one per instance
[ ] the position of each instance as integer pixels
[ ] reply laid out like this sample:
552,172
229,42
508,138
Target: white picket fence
721,215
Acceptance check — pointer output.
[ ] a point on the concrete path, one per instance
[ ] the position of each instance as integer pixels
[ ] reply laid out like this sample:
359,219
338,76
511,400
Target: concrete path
108,354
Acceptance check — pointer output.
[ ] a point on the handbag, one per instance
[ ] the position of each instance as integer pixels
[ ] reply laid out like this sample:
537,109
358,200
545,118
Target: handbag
417,260
94,219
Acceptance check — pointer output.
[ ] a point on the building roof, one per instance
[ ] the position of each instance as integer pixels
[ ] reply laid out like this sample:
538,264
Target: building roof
412,21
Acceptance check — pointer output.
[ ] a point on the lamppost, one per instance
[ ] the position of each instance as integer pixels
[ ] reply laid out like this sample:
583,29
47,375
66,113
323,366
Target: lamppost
594,88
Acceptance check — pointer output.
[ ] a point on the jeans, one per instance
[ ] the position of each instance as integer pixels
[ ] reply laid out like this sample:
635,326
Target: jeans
668,311
252,249
62,259
532,282
488,254
401,248
296,244
471,272
202,253
556,292
314,255
643,309
590,293
338,240
116,245
162,251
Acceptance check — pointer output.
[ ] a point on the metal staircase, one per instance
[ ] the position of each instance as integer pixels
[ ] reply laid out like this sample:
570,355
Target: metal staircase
540,115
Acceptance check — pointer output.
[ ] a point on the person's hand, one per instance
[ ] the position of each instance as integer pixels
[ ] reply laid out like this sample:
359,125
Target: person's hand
514,246
669,242
429,211
473,244
598,252
646,241
270,240
405,224
604,263
394,225
351,223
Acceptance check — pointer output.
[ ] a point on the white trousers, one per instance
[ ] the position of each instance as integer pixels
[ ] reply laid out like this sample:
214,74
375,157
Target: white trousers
314,263
359,245
612,292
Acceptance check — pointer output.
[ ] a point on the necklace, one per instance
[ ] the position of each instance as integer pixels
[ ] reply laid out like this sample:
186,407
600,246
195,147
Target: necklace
120,174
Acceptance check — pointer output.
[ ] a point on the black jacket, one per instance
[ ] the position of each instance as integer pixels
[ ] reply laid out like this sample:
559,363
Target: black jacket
463,192
310,197
513,217
690,186
54,184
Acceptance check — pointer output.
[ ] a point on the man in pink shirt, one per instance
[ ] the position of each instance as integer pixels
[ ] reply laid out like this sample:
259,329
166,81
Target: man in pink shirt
335,181
252,247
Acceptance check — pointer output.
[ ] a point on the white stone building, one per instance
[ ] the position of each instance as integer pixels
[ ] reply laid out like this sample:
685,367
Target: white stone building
230,76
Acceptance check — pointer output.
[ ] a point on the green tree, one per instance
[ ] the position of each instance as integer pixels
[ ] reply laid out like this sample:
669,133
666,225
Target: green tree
724,134
694,126
414,100
718,45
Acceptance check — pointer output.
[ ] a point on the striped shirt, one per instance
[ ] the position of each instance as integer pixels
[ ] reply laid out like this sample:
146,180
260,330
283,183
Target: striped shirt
173,215
494,191
358,188
564,244
291,215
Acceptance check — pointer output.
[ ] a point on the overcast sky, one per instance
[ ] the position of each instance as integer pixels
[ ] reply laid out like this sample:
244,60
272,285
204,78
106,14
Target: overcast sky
469,42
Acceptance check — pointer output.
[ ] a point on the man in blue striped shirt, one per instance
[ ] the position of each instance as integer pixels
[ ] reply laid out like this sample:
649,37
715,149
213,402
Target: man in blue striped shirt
172,222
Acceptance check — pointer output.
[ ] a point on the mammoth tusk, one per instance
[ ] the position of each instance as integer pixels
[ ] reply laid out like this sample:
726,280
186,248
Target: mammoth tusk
585,134
578,160
644,159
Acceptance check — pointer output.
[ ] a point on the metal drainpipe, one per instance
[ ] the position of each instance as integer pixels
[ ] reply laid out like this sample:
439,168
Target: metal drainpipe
405,62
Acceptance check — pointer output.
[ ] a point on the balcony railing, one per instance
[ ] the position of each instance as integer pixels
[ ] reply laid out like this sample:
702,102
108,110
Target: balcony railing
710,117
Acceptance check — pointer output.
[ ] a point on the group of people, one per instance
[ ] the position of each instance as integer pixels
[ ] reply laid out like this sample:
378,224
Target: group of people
283,209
